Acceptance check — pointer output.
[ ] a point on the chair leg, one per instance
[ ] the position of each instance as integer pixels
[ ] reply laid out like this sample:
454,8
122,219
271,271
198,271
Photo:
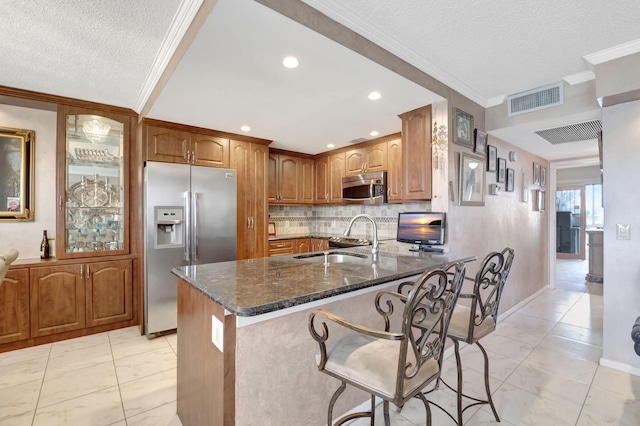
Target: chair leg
486,381
456,347
426,406
385,409
335,396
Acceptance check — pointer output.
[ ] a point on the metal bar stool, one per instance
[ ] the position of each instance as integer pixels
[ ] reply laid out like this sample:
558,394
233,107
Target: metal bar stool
394,366
471,323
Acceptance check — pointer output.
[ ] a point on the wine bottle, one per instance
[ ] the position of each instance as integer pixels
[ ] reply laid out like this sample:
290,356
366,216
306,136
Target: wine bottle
44,247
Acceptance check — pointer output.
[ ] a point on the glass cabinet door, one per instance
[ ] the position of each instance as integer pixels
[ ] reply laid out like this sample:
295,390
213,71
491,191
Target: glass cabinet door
94,186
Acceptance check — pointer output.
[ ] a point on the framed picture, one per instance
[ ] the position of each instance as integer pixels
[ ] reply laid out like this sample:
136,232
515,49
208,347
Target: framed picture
543,176
525,188
502,170
511,177
472,180
536,174
480,140
540,200
463,128
492,158
272,228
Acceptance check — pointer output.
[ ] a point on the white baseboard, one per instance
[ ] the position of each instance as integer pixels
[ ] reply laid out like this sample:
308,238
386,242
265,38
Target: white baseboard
511,311
620,366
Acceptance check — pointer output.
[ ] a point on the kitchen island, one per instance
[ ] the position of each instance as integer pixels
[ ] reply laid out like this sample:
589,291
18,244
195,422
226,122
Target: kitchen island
245,356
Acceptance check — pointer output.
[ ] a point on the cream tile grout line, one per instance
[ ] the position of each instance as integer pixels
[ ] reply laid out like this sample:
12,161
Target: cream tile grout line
113,360
44,374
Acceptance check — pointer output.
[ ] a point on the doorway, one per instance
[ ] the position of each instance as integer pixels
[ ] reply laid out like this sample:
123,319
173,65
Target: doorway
570,223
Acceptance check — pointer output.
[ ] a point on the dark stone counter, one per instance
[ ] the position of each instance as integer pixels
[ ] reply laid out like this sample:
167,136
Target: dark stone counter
257,286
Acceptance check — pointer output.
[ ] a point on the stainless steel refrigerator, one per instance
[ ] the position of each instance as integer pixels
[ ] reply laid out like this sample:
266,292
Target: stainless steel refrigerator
190,218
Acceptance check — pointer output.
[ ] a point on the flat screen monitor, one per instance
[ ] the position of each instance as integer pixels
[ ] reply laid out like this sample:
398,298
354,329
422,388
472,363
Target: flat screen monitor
424,229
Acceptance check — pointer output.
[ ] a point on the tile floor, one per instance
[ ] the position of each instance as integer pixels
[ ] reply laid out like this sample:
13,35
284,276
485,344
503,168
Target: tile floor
544,371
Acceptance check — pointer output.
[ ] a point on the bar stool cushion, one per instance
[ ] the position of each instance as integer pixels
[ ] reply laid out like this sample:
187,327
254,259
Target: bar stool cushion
373,363
460,322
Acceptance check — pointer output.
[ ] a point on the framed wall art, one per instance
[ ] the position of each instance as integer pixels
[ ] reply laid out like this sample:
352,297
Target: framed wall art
502,170
511,177
463,128
472,180
492,158
536,174
480,141
543,176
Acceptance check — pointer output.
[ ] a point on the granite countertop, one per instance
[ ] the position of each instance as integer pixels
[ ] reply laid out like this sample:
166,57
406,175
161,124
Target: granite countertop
258,286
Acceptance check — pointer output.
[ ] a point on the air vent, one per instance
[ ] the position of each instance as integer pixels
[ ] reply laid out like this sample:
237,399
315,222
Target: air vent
357,140
573,133
536,99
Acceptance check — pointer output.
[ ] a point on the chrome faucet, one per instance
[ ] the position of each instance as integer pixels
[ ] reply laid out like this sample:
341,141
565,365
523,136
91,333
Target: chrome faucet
374,250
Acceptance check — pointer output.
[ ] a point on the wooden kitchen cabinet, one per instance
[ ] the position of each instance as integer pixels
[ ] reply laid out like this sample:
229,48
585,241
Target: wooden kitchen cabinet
336,173
14,306
416,155
395,172
282,247
321,192
328,183
109,292
372,158
302,245
319,244
72,297
307,181
174,143
284,179
57,299
251,161
93,183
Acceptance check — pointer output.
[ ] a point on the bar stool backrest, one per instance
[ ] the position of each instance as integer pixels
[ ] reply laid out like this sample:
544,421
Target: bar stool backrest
488,287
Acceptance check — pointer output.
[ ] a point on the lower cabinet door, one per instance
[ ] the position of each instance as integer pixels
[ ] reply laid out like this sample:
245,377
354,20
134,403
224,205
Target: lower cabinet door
14,306
57,299
109,292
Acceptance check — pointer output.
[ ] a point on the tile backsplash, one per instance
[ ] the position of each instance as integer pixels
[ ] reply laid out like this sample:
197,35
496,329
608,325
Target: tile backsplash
333,220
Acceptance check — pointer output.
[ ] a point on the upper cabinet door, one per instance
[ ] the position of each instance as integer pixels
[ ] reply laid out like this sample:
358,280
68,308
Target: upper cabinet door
93,183
416,154
167,145
209,151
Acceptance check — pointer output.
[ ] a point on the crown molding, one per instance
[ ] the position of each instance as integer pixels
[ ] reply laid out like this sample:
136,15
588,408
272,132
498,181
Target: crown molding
614,52
580,77
179,25
351,20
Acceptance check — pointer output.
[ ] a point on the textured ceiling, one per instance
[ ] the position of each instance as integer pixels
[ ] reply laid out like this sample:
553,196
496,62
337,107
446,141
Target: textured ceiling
100,51
489,49
113,52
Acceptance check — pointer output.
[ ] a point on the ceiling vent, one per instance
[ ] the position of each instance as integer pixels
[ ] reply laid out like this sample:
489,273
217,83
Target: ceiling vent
536,99
357,140
573,133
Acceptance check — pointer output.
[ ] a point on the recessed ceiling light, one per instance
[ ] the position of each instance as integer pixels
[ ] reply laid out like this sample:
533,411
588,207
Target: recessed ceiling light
374,96
245,128
331,145
374,133
290,62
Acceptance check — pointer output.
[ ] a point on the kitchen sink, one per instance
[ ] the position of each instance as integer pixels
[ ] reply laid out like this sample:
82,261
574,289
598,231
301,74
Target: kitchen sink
334,257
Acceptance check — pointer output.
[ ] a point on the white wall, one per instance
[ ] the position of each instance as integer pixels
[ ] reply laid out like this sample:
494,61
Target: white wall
504,221
621,152
26,236
579,176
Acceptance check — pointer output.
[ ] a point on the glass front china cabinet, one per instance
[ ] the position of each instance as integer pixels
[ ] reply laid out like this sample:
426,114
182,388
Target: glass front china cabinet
93,185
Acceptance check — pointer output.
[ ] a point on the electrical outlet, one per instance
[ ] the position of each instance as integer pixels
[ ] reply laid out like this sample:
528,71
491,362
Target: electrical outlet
217,333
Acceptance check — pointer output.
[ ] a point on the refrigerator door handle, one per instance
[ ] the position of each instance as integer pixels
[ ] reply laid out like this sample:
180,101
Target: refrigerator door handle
194,235
187,224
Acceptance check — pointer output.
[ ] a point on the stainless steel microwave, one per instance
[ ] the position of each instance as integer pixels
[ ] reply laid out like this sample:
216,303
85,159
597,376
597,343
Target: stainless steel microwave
366,188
